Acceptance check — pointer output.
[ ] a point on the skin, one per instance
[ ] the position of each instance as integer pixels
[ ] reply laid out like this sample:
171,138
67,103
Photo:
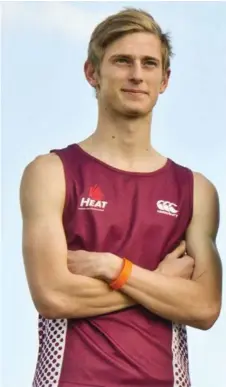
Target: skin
133,62
55,290
194,300
175,264
75,284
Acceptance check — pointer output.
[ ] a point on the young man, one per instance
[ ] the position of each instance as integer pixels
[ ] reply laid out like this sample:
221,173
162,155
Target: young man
100,220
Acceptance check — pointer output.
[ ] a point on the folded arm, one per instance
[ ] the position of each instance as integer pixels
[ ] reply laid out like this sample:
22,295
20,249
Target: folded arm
197,301
56,292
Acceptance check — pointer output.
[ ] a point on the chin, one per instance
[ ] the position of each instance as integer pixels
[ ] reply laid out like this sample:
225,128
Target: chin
135,112
137,109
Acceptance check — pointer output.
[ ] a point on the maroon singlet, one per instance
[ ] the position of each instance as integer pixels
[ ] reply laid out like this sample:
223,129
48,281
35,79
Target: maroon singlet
141,216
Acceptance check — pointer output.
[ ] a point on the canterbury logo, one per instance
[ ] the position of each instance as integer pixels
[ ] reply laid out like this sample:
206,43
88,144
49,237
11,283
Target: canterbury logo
168,208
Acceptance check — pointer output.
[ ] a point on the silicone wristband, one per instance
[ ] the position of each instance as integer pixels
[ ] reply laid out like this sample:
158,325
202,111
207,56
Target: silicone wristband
123,276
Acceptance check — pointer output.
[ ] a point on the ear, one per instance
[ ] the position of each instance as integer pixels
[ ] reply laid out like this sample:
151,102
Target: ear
91,74
165,81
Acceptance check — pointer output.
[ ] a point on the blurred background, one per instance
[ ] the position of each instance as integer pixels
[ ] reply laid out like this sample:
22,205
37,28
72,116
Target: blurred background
47,103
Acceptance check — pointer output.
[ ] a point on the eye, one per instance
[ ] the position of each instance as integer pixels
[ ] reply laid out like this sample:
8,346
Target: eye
150,63
122,60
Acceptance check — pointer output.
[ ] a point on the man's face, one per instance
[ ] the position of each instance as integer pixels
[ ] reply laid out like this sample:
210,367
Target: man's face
131,77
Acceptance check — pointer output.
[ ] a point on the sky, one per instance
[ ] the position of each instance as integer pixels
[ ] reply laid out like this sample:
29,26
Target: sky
47,103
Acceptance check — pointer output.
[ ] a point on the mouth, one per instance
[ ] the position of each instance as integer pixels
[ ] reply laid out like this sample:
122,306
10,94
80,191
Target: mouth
134,91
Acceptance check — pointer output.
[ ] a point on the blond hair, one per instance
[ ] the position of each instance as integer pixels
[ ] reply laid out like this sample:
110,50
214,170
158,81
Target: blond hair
125,22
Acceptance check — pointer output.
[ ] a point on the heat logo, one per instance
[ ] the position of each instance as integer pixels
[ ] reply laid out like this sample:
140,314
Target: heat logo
94,201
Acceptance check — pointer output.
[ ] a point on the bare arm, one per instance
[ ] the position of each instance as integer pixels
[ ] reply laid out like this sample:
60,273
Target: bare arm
195,302
56,292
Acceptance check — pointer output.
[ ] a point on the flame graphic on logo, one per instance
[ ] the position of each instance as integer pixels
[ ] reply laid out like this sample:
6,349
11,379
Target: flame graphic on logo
96,193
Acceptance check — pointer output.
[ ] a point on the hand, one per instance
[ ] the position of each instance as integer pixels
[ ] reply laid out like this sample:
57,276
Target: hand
177,263
85,263
105,266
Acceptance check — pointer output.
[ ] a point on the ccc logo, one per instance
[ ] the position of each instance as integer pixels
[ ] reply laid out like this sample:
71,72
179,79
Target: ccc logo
167,206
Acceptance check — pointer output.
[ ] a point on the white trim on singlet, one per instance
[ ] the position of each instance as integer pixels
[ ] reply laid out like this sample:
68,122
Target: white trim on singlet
52,338
180,356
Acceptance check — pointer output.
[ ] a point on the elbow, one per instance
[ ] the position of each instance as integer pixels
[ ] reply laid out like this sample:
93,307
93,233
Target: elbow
53,307
49,308
209,317
50,311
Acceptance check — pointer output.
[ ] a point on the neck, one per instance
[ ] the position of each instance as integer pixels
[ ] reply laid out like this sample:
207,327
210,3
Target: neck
128,137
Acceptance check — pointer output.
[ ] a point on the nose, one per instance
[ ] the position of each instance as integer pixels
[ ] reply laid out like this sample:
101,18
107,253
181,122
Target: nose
136,74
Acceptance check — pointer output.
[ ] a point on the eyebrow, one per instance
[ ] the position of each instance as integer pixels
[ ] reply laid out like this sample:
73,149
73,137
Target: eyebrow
146,57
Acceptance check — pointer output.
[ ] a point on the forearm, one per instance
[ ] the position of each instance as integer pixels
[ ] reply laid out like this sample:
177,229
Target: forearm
81,297
176,299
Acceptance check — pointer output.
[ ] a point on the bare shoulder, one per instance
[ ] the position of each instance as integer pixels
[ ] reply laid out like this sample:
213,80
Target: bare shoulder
42,164
206,202
204,188
42,182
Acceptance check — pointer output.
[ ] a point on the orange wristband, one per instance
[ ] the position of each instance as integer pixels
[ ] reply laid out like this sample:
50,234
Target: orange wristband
123,276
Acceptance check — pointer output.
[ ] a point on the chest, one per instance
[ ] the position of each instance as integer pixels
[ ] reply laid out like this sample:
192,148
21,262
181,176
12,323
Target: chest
142,219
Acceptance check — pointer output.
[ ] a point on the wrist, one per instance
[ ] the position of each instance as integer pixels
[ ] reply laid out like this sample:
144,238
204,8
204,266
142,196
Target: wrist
111,268
122,278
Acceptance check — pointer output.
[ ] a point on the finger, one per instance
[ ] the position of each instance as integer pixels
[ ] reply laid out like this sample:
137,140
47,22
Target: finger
188,260
189,257
179,250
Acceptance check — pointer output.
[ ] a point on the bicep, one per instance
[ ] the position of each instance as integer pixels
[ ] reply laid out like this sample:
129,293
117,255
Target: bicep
201,238
44,243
